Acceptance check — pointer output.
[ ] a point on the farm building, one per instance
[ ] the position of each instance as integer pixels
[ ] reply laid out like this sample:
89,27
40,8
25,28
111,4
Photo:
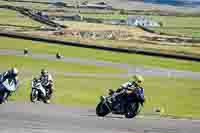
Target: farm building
100,5
141,21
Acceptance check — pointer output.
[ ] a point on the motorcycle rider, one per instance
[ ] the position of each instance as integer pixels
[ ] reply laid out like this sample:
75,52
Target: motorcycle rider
11,75
47,82
126,88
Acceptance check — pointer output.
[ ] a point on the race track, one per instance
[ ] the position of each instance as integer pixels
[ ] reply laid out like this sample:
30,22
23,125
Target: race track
40,118
131,69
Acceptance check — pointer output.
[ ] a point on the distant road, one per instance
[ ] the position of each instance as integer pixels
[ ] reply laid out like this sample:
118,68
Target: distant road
149,71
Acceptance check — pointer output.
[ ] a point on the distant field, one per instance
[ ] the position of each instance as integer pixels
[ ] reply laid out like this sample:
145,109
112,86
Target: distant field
25,4
188,26
69,51
136,42
15,18
105,16
187,31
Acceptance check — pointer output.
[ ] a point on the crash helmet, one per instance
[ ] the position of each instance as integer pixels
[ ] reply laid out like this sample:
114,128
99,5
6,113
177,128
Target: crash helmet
138,79
44,72
14,71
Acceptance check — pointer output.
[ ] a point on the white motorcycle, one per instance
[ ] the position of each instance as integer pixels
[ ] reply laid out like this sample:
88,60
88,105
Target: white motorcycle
38,92
6,88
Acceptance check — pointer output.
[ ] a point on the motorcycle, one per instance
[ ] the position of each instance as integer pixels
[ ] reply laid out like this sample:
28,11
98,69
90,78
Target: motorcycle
38,92
132,104
6,88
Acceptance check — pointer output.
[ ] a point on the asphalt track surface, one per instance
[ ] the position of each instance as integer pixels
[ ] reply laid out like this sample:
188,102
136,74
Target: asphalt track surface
131,69
42,118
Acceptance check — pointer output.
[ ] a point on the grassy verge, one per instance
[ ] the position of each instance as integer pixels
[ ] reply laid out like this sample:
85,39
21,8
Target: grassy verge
34,65
69,51
178,98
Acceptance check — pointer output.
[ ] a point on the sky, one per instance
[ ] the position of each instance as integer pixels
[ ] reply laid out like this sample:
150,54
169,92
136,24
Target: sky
176,2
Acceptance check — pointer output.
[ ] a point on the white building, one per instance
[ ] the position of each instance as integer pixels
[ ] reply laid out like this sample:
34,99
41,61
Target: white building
141,21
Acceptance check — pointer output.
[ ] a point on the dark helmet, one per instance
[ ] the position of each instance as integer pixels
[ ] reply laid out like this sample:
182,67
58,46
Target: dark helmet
14,71
44,72
58,55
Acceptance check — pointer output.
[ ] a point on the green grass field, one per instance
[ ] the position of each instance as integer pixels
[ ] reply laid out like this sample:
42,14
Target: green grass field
177,96
188,26
69,51
190,32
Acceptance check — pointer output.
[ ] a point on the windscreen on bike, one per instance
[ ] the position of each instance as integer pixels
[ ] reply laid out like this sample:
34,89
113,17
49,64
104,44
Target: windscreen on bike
10,85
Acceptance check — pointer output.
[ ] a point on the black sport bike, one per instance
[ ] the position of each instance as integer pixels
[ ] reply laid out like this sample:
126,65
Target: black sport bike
131,106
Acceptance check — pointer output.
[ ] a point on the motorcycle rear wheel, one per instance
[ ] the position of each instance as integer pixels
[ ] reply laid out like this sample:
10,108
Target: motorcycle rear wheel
132,110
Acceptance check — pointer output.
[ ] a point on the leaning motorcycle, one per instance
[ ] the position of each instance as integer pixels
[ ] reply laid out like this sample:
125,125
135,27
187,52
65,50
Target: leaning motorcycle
131,106
38,92
6,88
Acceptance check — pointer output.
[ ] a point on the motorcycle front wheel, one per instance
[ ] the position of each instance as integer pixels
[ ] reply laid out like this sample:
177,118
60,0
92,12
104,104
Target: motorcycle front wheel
102,109
3,97
34,95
